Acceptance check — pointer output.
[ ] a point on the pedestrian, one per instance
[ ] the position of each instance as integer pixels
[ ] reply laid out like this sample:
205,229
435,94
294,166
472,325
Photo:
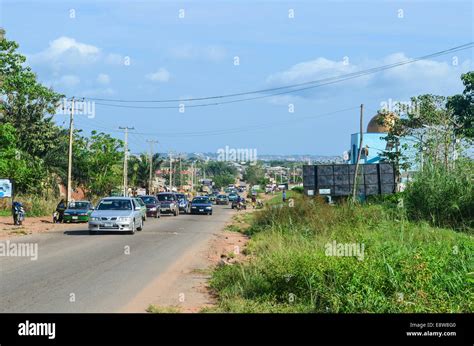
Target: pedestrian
284,196
61,208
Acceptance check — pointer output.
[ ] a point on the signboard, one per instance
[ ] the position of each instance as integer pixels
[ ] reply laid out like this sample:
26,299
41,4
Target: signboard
310,192
5,188
324,191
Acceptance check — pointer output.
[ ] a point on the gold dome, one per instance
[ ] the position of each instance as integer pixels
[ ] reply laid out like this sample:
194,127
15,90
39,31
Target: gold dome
381,123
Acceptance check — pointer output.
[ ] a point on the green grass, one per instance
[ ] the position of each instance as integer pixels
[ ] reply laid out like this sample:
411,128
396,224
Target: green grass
407,266
162,309
34,205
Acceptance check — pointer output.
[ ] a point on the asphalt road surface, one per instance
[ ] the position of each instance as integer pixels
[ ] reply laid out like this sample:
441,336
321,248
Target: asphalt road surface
78,272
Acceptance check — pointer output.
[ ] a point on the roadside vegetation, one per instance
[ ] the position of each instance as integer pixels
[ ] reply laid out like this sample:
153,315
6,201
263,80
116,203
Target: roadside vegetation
407,266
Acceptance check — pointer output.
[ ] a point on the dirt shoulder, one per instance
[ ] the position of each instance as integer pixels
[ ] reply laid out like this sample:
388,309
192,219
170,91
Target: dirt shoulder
185,286
31,225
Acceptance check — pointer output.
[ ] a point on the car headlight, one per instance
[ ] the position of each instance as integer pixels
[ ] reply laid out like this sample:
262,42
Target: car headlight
95,218
171,205
67,214
82,214
125,219
208,207
153,209
193,207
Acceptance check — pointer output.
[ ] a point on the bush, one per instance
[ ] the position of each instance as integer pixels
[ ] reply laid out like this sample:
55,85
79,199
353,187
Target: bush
34,205
443,197
298,189
407,267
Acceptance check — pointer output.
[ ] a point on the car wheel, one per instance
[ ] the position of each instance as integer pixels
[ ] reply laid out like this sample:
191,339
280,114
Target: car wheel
141,226
133,228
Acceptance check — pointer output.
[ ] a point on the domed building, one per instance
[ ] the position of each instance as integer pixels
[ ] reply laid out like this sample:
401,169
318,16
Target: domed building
374,142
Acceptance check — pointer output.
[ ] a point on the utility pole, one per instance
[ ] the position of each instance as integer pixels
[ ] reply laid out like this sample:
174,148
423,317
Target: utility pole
151,142
125,160
192,176
69,167
180,172
361,133
171,172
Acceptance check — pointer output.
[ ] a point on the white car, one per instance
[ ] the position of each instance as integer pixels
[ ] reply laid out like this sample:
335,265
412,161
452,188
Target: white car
120,214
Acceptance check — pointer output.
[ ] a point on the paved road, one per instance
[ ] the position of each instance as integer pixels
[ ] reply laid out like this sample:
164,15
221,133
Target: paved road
94,270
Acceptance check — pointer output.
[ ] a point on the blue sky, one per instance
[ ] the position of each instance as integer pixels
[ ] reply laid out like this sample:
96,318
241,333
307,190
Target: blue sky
82,48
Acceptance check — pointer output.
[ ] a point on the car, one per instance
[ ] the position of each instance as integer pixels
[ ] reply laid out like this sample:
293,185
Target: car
201,205
78,211
212,197
183,203
168,203
142,207
120,214
222,199
232,196
152,206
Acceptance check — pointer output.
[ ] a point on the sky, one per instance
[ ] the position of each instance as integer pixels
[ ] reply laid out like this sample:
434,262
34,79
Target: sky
161,50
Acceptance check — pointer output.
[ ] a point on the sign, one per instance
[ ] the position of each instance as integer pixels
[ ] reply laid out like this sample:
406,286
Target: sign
324,191
345,156
5,188
310,192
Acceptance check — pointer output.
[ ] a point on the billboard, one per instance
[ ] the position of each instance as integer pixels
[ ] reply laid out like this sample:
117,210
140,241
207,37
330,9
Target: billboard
338,179
5,188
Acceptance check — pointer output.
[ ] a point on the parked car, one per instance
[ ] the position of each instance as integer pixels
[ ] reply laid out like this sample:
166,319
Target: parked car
168,203
152,206
183,203
201,205
232,196
78,211
222,199
116,214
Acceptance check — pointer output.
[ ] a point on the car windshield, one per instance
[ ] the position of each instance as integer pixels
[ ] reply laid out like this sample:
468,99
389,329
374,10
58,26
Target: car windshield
166,197
200,200
180,196
149,200
79,205
115,204
222,196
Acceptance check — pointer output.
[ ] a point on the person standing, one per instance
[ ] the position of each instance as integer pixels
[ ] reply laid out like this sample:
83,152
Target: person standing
284,196
61,208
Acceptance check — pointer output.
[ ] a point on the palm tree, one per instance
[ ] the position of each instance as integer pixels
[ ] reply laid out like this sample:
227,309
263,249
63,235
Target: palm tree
139,169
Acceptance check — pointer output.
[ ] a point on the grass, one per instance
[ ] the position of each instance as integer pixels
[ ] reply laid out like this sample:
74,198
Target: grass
34,205
407,266
162,309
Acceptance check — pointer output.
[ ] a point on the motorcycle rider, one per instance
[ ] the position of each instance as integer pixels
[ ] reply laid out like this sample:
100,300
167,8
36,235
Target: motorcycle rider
18,213
61,208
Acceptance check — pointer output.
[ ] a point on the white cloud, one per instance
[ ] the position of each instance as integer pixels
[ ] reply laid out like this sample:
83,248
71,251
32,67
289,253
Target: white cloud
103,78
162,75
67,52
424,76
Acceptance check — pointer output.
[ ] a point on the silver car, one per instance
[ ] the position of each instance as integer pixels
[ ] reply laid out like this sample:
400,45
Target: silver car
116,214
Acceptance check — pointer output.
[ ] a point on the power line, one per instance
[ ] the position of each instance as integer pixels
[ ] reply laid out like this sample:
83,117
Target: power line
319,82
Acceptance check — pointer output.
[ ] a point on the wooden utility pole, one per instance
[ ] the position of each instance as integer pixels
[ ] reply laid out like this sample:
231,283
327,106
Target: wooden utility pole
171,172
361,134
69,167
125,160
151,142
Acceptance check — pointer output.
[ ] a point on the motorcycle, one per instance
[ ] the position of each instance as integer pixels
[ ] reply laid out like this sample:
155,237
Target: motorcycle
18,213
241,205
